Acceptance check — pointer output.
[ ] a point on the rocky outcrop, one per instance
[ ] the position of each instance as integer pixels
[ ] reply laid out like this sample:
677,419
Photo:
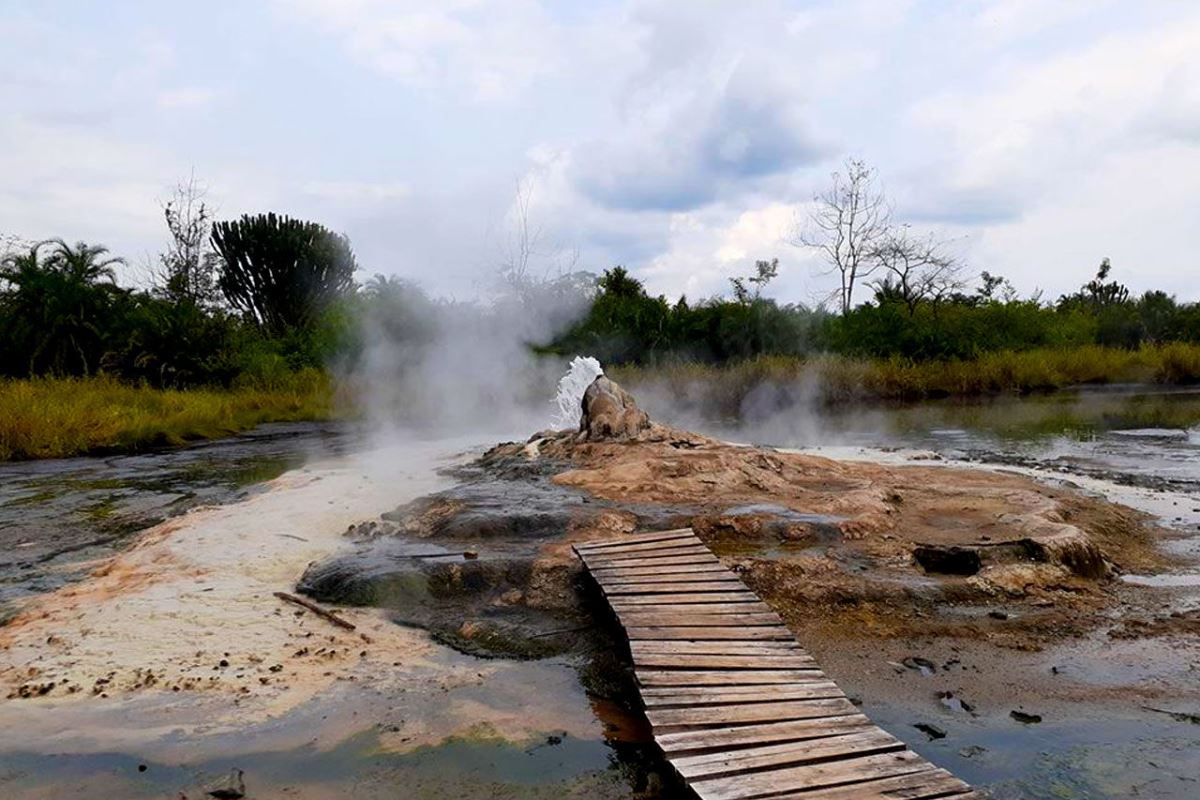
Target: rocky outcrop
610,413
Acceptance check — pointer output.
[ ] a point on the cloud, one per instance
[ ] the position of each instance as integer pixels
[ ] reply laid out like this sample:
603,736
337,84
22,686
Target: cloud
719,135
491,49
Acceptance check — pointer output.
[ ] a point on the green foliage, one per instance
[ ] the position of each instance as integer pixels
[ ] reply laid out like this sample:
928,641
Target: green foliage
626,326
281,272
53,309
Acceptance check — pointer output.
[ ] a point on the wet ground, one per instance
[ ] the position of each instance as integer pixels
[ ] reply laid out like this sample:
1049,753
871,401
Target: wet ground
57,516
550,717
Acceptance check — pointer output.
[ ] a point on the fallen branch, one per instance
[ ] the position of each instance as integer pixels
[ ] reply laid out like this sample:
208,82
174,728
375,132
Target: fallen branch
316,609
560,630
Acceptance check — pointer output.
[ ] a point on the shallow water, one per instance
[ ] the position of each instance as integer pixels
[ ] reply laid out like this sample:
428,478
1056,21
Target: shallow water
58,514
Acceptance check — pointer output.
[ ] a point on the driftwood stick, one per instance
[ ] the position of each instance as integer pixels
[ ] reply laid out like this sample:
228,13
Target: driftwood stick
316,609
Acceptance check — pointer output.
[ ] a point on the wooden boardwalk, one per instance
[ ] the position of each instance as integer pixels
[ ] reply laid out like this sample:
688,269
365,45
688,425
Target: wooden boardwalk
737,706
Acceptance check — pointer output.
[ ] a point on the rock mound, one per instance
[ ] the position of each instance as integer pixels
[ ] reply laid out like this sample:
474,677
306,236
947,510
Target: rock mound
610,412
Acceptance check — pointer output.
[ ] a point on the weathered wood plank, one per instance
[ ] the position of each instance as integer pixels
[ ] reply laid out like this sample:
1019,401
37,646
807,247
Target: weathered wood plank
705,557
608,573
765,733
607,579
696,572
743,607
684,598
790,779
743,634
720,677
749,712
932,782
643,620
636,538
671,588
697,661
647,547
716,695
772,648
709,765
739,708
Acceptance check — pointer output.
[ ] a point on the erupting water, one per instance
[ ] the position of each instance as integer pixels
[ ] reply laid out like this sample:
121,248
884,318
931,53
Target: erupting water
583,370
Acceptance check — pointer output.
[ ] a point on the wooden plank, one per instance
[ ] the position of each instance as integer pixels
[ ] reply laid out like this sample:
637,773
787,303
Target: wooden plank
655,661
609,573
700,558
810,776
777,632
727,677
642,620
634,538
744,607
671,588
932,782
690,543
709,765
720,576
684,598
660,569
716,695
748,712
779,648
615,561
739,708
743,735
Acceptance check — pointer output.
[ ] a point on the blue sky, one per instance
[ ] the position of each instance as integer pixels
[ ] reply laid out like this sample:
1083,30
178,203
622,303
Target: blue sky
682,139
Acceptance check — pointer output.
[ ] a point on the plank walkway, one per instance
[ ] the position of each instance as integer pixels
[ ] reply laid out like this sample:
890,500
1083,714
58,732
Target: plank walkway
738,707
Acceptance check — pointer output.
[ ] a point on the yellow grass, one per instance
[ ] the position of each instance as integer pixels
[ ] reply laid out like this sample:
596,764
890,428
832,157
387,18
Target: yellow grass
57,417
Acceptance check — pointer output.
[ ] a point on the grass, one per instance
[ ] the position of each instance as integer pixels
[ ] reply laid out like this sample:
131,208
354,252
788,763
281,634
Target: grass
726,389
58,417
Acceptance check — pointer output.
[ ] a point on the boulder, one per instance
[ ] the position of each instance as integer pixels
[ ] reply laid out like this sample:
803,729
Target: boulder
610,412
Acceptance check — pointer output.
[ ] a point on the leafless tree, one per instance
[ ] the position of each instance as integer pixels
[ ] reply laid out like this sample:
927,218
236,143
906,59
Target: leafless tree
917,268
523,242
847,224
188,269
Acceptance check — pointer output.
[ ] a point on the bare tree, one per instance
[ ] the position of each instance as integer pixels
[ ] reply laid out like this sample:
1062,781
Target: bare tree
917,268
524,237
848,223
188,269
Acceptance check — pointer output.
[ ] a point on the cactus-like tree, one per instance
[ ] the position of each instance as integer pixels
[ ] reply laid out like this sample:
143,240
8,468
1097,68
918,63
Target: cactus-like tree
282,272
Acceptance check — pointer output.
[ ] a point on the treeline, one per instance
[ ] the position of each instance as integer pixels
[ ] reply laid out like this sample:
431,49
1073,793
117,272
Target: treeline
625,325
255,300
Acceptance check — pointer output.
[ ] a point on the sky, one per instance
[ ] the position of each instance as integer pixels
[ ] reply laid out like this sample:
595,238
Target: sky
684,139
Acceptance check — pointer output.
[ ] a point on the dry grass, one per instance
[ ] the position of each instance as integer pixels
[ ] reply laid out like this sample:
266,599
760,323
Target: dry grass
57,417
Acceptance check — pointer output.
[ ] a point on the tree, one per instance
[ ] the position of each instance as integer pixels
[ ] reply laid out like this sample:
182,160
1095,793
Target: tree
282,272
848,223
918,268
188,269
765,272
57,308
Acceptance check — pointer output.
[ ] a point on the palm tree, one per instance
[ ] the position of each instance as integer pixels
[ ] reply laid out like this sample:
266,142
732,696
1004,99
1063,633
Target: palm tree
57,307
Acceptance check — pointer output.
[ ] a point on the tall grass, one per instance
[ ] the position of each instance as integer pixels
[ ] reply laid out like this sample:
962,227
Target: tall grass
57,417
831,379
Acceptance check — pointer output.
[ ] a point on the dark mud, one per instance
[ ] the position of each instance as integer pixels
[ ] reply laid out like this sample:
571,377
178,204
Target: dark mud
471,565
